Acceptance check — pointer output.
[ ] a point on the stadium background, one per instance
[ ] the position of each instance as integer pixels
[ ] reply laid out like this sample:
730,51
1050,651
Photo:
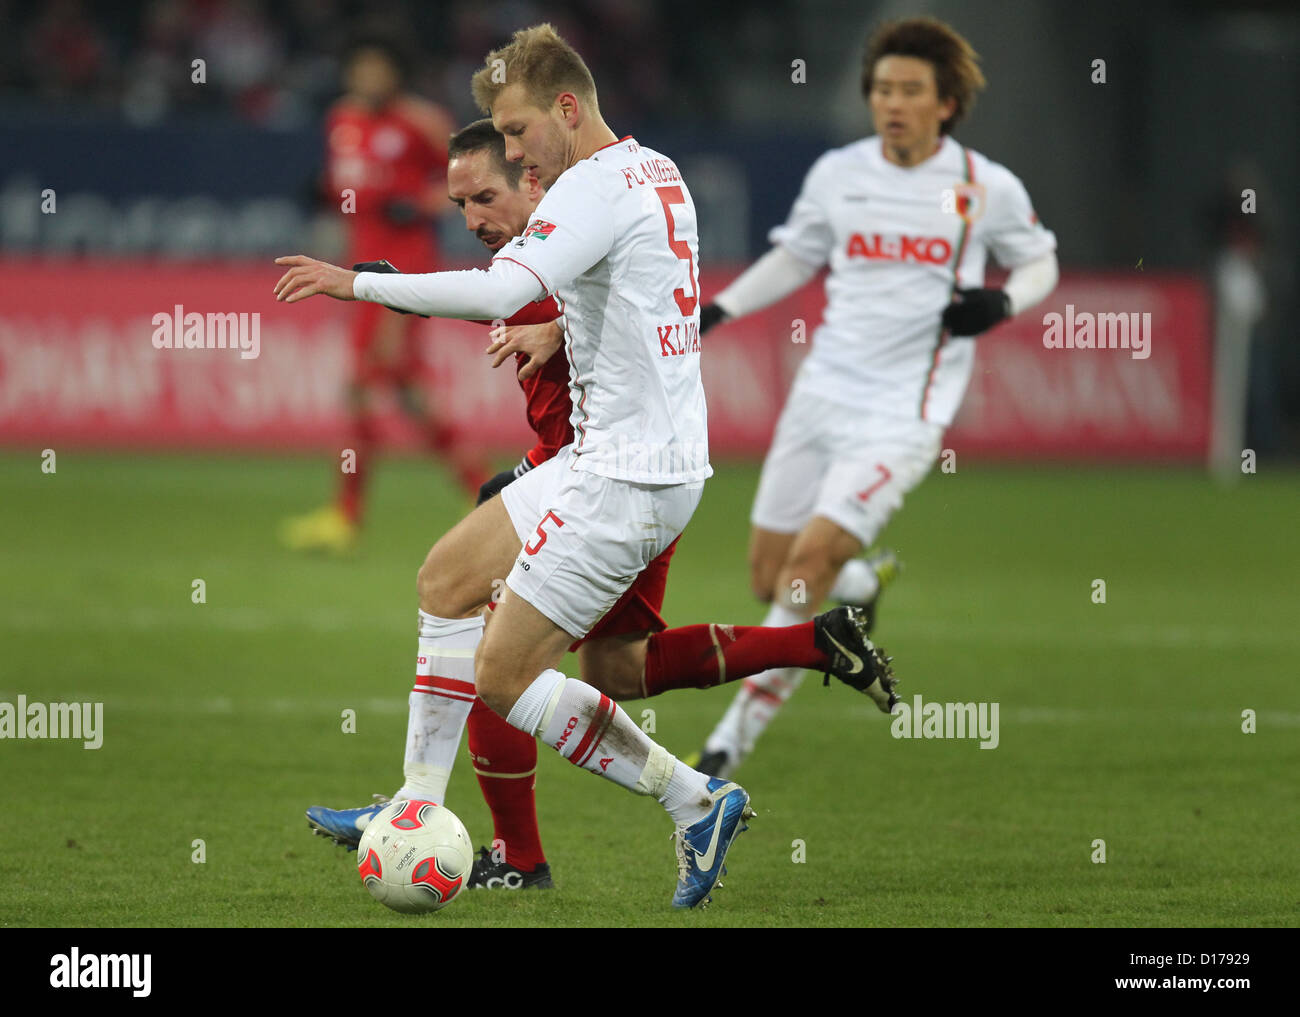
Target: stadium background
173,466
1132,174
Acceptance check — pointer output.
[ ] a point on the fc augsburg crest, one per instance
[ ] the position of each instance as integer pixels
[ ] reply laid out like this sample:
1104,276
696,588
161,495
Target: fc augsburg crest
970,201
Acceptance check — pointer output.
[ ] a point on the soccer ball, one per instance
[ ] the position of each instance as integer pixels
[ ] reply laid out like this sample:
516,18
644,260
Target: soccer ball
415,857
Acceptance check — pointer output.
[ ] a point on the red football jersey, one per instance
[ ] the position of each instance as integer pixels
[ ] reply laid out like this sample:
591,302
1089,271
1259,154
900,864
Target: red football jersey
392,154
547,391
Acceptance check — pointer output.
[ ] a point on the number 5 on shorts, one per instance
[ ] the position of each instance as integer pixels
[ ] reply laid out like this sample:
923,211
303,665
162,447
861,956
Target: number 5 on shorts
542,534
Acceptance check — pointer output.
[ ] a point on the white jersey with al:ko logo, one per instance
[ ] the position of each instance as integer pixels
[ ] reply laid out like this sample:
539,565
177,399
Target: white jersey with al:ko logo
899,241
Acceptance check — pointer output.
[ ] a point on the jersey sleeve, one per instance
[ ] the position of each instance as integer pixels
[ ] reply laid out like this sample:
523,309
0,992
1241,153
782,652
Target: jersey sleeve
571,230
536,313
806,232
472,295
1012,231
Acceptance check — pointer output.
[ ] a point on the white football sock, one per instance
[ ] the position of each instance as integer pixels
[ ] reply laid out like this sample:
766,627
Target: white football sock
536,703
590,730
857,583
439,704
758,699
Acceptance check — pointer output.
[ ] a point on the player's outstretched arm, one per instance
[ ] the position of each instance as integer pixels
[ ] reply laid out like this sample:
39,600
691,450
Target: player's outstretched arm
772,278
386,267
537,343
476,294
307,277
472,295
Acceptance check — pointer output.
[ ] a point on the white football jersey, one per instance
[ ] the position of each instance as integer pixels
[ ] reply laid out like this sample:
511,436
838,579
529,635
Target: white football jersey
615,240
899,241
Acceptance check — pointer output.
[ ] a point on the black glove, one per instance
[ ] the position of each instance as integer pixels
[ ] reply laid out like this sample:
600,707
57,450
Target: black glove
976,311
493,487
401,211
710,315
381,266
384,268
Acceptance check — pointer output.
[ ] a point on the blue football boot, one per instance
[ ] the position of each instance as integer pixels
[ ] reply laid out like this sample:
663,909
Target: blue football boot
702,847
344,826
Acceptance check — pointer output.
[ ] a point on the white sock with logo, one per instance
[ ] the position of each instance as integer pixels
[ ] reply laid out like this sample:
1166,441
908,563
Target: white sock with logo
856,583
439,704
590,730
759,698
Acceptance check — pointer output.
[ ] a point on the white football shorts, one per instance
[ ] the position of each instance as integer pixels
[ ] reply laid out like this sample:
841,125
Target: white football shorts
847,465
587,537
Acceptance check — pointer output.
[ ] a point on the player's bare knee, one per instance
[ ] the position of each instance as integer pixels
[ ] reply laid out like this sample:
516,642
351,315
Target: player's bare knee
490,679
446,590
613,667
807,575
432,587
621,683
762,578
493,695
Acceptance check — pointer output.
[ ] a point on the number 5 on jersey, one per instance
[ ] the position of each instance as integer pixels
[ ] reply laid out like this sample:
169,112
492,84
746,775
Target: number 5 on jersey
533,548
669,196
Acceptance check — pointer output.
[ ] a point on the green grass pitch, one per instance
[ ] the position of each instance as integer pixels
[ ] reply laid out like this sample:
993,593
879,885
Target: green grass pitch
1119,722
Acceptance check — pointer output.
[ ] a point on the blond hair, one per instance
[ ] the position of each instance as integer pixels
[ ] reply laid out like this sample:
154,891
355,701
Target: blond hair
542,62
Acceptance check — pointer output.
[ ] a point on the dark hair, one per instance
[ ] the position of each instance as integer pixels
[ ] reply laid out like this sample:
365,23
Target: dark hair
481,136
393,50
956,65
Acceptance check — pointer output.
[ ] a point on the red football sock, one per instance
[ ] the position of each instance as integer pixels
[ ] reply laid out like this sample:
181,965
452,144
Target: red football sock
447,441
440,436
505,761
352,485
701,656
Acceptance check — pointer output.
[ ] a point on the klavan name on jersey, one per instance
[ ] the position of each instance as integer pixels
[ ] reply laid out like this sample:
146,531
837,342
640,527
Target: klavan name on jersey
679,338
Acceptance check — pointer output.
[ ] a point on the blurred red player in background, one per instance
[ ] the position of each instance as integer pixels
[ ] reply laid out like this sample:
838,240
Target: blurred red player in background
386,153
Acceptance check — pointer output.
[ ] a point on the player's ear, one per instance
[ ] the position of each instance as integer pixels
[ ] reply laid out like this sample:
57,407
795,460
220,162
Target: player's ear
570,110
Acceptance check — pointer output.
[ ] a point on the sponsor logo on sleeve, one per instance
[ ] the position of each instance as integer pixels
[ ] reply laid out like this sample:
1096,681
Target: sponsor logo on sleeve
539,228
